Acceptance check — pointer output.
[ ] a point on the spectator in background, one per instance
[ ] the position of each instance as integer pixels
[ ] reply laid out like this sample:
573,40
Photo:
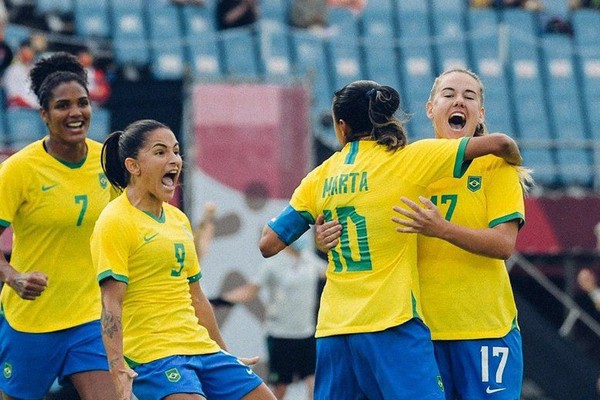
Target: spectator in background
16,78
6,53
588,282
291,281
308,14
575,4
98,84
236,13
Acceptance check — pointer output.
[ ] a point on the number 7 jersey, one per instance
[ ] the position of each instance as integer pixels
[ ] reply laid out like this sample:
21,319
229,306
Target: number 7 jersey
372,281
52,207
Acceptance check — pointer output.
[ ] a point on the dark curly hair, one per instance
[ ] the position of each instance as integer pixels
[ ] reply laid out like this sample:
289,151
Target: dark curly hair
49,72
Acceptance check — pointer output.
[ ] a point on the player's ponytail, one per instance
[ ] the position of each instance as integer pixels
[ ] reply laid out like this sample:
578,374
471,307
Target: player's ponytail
112,165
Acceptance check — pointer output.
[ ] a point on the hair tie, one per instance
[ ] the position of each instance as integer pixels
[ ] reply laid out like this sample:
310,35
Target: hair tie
371,93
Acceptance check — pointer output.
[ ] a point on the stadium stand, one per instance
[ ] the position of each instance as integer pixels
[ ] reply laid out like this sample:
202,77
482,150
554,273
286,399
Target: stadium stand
92,18
166,42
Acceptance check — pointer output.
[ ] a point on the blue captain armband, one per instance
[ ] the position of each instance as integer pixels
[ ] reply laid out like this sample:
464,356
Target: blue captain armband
290,224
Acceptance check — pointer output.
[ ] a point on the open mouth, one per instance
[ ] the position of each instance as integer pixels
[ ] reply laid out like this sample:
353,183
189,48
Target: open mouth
457,121
169,179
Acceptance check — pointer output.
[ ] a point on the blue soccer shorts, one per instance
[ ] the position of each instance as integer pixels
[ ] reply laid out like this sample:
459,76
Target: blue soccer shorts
215,376
394,364
483,368
32,361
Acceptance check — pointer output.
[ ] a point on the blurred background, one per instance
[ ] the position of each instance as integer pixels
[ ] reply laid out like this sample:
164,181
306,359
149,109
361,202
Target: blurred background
246,85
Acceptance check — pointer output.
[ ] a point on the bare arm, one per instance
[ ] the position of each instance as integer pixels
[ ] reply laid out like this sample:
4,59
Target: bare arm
498,144
205,314
28,286
497,242
269,243
113,293
205,231
242,294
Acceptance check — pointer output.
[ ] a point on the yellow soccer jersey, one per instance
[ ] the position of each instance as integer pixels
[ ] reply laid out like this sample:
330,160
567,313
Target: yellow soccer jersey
372,281
464,295
157,259
52,207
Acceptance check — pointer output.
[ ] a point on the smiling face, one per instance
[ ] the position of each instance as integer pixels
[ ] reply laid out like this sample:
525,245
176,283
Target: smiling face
455,107
158,165
68,113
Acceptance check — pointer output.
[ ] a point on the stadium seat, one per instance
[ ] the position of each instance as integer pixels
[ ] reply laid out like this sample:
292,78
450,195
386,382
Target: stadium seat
52,6
166,39
91,18
449,39
273,10
201,40
24,126
100,124
310,63
275,50
489,65
15,34
343,45
239,50
527,93
129,41
585,26
378,19
562,91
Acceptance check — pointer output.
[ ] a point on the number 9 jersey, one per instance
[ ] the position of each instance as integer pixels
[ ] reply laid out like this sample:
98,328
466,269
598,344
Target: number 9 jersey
372,282
52,206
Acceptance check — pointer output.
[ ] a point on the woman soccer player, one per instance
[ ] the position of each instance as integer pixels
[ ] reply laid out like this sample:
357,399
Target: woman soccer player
371,342
159,329
52,192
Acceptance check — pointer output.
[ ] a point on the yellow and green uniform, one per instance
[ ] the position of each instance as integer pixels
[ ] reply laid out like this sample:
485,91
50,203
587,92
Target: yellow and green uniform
372,281
156,258
465,295
52,207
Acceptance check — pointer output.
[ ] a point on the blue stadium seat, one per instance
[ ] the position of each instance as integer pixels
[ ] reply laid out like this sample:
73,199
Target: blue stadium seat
239,49
52,6
274,43
15,34
130,42
197,20
91,18
201,39
100,124
310,63
166,38
528,95
377,19
442,6
345,58
24,126
273,10
449,43
562,91
585,26
487,63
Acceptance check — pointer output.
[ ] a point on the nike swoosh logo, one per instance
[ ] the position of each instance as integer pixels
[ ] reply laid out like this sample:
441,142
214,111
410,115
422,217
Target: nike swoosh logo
149,238
48,187
249,371
489,390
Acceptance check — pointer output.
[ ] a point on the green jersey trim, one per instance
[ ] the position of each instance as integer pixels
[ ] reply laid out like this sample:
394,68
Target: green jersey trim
507,218
195,278
72,165
109,274
160,220
460,165
4,224
351,157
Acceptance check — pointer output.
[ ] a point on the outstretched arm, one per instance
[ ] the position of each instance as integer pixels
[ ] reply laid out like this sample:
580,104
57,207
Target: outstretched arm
498,144
497,242
205,231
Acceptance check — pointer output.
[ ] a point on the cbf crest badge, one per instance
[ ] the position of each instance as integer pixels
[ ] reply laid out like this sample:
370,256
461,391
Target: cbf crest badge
474,183
103,180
